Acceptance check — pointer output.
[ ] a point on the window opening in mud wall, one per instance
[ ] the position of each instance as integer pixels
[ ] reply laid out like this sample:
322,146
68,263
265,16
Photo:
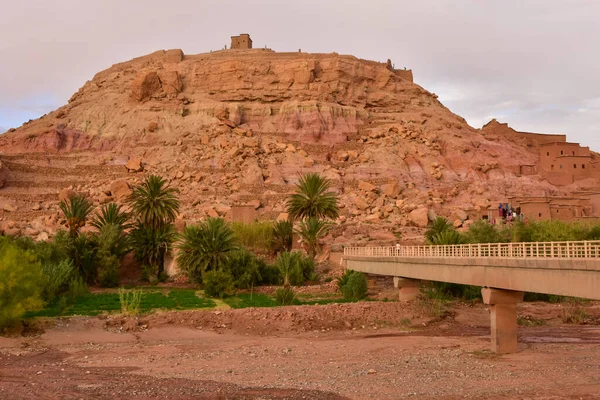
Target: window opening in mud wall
552,167
582,166
560,166
562,152
540,214
547,153
575,166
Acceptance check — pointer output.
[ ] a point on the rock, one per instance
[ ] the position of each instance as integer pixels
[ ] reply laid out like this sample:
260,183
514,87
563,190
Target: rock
363,158
180,224
36,207
66,194
42,237
283,217
342,155
360,203
371,372
366,186
419,217
31,232
152,126
254,203
382,235
3,175
399,203
8,207
459,214
391,190
211,213
431,215
308,162
134,165
457,223
145,85
170,81
120,190
173,56
12,232
222,209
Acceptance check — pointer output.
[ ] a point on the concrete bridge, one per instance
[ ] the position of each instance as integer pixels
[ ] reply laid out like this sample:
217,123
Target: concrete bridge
504,271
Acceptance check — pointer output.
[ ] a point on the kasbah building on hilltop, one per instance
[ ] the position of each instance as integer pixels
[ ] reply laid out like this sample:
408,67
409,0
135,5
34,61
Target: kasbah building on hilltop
561,163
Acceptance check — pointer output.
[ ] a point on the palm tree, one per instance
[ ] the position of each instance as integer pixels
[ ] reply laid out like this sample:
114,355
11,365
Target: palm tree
151,245
76,211
448,237
312,199
111,214
205,247
154,202
311,231
282,236
440,224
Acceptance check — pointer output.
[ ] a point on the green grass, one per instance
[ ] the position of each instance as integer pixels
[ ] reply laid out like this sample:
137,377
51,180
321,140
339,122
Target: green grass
95,304
243,300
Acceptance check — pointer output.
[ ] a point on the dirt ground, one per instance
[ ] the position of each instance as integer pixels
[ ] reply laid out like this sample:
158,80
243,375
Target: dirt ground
370,350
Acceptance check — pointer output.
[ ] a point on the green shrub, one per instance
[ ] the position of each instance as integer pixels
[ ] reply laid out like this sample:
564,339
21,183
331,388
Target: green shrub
108,270
218,284
295,268
21,284
130,301
484,232
77,290
256,235
465,292
57,278
353,285
283,232
285,295
245,268
269,274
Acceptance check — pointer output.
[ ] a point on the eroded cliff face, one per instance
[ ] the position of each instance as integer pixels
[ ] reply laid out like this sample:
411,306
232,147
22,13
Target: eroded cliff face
233,126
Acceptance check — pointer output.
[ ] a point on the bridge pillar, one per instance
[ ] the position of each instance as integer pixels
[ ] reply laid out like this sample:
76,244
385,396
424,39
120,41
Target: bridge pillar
408,289
503,315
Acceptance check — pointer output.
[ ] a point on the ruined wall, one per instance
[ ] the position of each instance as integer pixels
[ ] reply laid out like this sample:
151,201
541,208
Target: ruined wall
529,139
405,74
245,214
535,211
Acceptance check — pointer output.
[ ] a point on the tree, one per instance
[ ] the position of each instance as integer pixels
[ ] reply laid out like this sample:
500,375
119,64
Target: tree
282,236
76,211
205,247
448,237
151,245
312,199
154,202
311,231
440,224
113,214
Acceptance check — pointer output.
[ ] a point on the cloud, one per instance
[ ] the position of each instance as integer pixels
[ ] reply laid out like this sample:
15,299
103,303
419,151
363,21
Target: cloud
531,63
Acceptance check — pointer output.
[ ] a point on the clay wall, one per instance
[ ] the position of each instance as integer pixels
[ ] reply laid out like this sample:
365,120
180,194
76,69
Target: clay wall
245,214
535,211
558,178
405,74
242,41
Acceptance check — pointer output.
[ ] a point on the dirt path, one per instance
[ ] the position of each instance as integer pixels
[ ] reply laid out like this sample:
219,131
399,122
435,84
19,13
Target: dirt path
159,357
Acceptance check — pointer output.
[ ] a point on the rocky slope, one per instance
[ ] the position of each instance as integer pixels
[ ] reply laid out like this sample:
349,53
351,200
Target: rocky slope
237,126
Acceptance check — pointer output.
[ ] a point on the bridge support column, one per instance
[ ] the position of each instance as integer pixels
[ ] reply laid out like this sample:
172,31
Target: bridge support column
504,318
408,288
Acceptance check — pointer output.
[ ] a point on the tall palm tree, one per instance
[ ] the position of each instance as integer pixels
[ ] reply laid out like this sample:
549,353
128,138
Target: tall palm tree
311,231
154,202
205,247
312,199
76,211
448,237
111,214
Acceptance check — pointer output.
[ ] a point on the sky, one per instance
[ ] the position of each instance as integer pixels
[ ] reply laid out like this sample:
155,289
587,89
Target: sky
534,64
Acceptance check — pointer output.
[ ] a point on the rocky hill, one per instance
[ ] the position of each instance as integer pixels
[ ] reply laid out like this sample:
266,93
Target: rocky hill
239,126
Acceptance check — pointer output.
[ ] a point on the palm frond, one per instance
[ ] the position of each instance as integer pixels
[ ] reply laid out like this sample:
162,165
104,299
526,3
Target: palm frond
312,199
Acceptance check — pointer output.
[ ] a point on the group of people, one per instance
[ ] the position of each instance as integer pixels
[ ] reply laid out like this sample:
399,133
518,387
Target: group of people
508,214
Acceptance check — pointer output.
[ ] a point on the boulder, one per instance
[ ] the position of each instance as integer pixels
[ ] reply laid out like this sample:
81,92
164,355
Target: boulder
361,203
366,186
222,209
170,81
120,190
66,194
180,224
254,203
283,217
419,217
391,190
431,215
3,175
152,126
134,165
8,207
173,56
145,85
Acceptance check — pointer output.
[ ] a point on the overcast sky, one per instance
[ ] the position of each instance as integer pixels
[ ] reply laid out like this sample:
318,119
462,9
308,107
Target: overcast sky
531,63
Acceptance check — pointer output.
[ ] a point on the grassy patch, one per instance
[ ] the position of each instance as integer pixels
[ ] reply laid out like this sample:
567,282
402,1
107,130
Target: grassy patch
528,320
95,304
244,300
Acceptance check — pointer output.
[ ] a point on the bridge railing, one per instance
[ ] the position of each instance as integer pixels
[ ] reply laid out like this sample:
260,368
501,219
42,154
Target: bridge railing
583,249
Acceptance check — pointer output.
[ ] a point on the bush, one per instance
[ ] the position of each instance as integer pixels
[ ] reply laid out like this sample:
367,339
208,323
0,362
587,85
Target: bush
295,268
353,285
283,232
108,270
269,274
484,232
57,278
245,268
285,296
77,290
257,235
130,301
218,284
21,284
465,292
